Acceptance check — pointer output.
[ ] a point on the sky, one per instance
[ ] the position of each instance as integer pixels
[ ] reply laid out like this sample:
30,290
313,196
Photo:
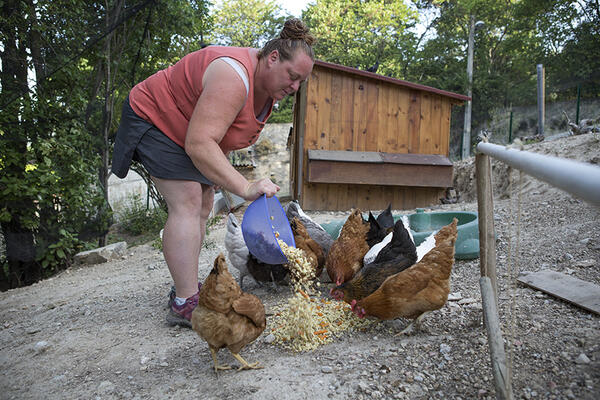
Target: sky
294,7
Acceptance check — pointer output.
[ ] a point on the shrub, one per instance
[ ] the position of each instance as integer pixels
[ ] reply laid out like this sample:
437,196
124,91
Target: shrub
135,219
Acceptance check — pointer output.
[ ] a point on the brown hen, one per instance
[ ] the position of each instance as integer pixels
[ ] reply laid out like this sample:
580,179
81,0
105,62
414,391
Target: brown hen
346,254
226,316
417,290
312,250
399,254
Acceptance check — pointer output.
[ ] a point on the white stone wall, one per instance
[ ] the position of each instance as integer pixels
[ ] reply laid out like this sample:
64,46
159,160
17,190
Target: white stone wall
122,191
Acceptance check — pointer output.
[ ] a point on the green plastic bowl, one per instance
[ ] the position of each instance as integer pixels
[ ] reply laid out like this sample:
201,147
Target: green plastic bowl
422,224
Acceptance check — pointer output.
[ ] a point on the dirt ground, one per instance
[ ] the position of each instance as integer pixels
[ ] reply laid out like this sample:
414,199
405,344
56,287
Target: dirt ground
99,331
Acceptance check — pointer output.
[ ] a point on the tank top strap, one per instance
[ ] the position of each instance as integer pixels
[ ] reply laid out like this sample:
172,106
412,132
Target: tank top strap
237,69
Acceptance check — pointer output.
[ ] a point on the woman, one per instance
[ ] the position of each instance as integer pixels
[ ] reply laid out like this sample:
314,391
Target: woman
181,123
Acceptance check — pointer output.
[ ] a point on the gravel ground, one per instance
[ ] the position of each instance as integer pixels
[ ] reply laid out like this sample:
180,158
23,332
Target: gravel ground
98,331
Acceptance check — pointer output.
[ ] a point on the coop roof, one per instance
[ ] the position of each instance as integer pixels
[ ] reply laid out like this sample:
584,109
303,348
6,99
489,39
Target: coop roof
399,82
242,159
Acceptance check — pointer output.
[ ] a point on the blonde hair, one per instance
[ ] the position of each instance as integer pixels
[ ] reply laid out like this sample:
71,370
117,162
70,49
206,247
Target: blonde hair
293,36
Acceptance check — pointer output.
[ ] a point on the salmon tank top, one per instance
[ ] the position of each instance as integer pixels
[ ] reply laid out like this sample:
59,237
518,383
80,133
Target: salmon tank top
167,98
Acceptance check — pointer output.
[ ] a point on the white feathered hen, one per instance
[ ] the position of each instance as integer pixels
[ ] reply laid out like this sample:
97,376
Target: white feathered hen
373,251
422,249
236,247
426,245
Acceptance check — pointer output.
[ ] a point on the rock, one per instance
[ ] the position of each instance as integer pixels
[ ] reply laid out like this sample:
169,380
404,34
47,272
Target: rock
101,254
582,359
106,387
270,338
585,263
455,296
326,369
41,346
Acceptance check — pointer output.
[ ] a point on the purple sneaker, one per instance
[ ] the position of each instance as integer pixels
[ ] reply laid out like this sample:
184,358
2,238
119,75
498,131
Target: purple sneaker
182,315
172,294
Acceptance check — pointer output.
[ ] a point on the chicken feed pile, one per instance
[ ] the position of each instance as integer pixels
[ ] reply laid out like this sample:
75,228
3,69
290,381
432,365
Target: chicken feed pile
307,320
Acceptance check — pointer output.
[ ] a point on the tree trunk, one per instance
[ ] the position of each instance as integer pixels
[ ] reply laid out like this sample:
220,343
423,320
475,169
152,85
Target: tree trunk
19,240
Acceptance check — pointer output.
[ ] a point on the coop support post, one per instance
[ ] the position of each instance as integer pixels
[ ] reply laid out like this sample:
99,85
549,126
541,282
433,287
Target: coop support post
485,208
502,375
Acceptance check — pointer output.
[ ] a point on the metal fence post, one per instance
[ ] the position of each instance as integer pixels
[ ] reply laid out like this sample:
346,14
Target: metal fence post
578,103
541,91
510,127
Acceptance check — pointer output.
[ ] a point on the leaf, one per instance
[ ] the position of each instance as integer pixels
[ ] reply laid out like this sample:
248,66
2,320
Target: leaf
60,253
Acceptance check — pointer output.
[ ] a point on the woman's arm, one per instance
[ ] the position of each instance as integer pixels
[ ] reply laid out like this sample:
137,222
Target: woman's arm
222,98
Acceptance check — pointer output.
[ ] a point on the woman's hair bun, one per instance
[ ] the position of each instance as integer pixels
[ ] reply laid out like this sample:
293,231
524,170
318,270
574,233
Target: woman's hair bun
295,29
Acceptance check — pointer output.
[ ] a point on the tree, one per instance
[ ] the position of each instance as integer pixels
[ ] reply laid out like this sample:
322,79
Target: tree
371,34
251,23
516,36
56,130
246,23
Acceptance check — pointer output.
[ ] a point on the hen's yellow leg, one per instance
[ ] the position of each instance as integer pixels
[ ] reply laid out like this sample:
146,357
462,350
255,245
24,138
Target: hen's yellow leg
218,367
419,319
414,325
408,330
245,364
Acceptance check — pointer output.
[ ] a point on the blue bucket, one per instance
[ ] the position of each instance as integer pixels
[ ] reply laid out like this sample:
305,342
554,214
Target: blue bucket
264,222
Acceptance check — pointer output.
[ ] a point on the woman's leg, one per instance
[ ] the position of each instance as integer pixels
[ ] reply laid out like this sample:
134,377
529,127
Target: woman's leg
189,204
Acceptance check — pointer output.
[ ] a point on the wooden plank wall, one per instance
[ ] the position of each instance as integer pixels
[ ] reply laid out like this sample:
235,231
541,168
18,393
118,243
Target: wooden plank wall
355,113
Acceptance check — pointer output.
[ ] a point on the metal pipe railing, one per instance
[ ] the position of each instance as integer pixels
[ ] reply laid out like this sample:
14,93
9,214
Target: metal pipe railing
574,177
577,178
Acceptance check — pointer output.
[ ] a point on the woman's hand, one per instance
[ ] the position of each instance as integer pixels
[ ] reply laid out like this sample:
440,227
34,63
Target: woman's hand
264,186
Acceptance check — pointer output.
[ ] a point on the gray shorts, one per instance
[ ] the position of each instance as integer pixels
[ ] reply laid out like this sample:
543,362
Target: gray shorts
139,140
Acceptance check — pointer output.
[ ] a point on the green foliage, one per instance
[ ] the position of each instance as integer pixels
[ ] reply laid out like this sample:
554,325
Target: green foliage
246,23
362,33
60,179
54,127
59,255
516,36
283,113
135,219
209,244
212,222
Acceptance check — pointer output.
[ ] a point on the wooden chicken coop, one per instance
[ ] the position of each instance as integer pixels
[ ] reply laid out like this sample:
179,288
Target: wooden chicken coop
365,140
